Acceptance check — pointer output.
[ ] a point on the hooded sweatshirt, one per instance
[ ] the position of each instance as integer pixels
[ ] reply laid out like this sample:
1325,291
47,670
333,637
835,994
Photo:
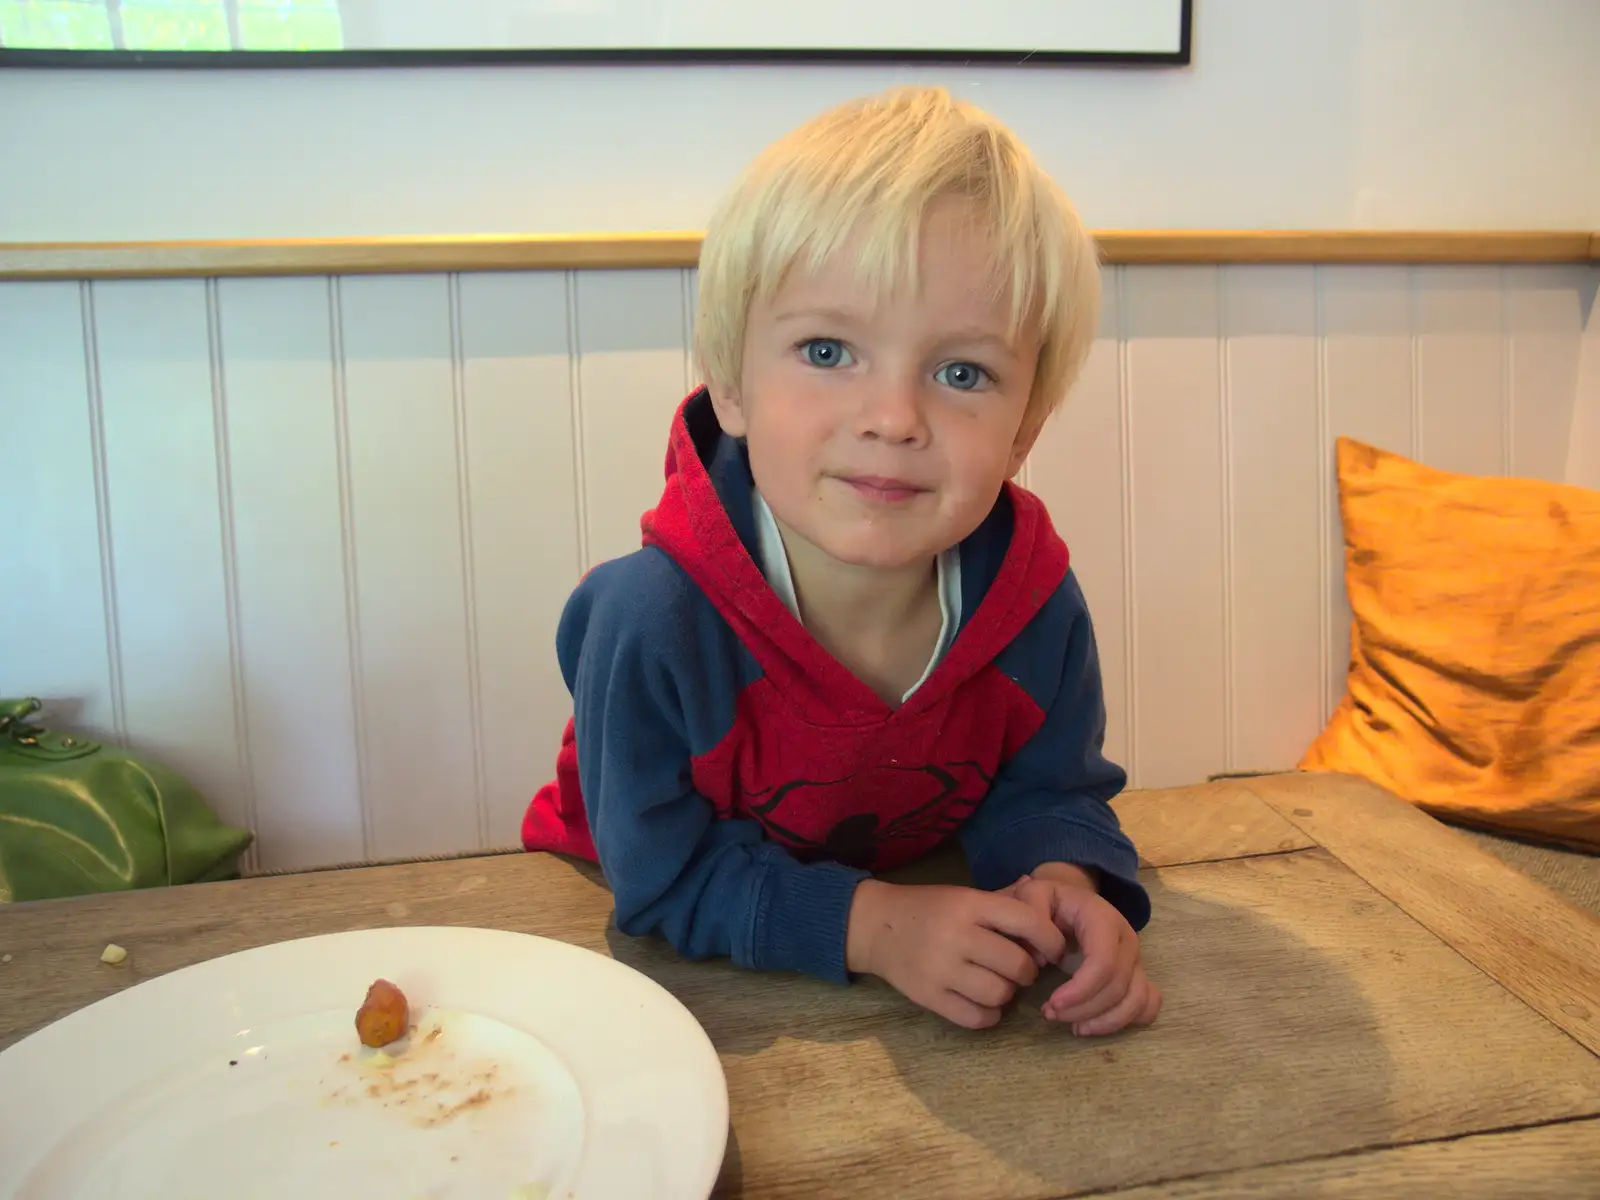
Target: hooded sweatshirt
735,782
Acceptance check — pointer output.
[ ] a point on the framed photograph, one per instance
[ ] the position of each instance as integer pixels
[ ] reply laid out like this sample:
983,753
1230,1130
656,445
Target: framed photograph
351,33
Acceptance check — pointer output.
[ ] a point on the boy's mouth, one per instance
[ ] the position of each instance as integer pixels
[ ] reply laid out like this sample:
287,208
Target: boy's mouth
882,489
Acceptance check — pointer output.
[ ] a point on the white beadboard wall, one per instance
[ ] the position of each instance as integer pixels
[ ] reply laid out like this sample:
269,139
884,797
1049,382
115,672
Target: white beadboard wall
307,539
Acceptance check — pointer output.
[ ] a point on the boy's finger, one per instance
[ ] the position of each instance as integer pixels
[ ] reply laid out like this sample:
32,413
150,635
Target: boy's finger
1107,998
982,986
1152,1008
1008,959
1036,893
1130,1009
956,1008
1101,943
1014,891
1025,923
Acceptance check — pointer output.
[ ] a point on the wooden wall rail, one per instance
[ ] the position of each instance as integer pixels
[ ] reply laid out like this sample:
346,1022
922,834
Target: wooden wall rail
495,252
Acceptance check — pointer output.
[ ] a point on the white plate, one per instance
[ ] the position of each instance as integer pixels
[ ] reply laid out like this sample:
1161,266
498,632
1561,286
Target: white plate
243,1077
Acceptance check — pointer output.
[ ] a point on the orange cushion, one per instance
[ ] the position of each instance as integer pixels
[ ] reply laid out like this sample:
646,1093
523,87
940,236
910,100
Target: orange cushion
1474,683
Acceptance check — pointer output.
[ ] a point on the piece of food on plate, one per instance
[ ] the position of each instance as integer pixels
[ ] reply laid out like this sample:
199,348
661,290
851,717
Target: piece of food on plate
383,1015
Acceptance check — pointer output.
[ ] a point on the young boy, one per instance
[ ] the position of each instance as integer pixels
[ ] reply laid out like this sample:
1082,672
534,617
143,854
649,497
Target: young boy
848,636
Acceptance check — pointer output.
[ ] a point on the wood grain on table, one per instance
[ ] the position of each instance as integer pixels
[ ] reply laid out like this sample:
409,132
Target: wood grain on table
1319,1036
1555,1162
1525,936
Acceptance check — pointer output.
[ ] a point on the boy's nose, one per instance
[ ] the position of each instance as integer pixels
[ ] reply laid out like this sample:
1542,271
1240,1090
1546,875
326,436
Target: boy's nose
891,411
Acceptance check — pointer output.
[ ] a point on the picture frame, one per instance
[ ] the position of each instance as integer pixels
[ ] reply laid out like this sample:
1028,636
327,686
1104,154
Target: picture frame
409,33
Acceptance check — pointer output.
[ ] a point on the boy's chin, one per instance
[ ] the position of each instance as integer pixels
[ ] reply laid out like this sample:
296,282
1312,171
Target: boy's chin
879,552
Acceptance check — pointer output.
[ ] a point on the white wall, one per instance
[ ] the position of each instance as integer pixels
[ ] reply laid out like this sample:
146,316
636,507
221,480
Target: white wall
1296,113
308,539
1583,456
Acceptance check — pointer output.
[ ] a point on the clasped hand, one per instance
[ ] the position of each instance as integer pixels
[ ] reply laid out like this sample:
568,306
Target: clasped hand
964,953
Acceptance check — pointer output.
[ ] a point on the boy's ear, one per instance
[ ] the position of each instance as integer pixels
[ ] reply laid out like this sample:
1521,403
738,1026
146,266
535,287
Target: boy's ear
1023,446
729,407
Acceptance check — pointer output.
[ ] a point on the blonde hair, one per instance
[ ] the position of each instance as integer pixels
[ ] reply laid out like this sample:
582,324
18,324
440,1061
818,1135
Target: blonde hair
873,166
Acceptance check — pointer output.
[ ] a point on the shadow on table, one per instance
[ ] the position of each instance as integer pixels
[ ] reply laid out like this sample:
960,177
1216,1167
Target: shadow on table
1265,1050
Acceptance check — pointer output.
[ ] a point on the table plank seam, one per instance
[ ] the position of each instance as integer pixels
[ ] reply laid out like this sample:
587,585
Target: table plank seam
506,851
364,864
1228,858
1352,1152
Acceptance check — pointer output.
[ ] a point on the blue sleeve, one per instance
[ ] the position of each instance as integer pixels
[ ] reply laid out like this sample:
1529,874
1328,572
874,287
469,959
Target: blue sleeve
655,674
1052,801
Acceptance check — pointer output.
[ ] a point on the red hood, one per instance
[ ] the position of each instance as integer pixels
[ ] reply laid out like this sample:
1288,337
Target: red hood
1015,561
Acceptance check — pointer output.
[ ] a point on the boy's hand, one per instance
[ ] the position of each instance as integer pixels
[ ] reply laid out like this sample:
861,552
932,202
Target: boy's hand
957,951
1110,990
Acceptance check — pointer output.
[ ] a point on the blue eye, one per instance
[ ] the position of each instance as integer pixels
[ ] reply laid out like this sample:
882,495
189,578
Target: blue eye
963,376
825,352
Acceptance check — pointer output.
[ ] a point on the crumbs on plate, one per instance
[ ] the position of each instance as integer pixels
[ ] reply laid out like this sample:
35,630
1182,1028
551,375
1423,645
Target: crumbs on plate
411,1070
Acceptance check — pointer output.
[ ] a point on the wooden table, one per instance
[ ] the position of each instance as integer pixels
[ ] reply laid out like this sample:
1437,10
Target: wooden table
1359,1002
